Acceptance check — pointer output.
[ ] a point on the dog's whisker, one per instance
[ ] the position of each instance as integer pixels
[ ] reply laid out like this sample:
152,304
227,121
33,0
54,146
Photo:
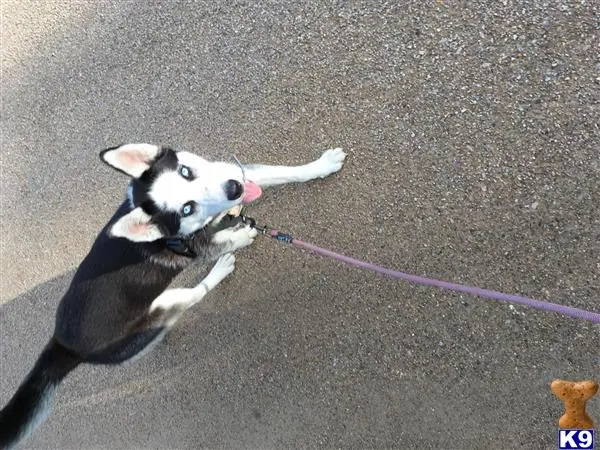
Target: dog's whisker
241,166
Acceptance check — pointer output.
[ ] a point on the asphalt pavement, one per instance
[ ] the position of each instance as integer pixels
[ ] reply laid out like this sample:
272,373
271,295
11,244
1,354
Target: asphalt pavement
473,138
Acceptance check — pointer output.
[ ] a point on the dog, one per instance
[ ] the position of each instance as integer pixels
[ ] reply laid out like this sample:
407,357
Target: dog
119,303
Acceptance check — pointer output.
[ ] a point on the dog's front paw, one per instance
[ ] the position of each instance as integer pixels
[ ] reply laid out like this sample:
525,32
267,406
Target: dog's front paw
222,268
331,161
243,237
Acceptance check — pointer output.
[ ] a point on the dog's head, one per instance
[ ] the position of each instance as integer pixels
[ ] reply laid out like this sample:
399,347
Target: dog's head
173,193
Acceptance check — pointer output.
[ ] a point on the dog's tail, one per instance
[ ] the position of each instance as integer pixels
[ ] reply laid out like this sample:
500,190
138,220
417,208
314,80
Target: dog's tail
30,405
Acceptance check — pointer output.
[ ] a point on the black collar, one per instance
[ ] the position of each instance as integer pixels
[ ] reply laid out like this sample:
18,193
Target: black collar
181,247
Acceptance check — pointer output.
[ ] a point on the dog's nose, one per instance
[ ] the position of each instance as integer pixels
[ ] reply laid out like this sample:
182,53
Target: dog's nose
233,189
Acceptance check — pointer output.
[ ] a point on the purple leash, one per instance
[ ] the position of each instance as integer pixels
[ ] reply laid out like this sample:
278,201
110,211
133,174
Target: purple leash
494,295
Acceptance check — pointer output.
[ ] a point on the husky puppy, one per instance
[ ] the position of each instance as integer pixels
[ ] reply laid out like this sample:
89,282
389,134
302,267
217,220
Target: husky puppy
119,302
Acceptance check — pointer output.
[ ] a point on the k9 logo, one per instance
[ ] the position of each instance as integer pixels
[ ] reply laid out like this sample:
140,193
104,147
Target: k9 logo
575,439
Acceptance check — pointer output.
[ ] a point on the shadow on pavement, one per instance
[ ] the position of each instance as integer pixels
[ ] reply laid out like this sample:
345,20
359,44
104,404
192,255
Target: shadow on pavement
279,366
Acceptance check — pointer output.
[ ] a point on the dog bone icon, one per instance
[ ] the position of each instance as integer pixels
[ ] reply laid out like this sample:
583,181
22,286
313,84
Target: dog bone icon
574,395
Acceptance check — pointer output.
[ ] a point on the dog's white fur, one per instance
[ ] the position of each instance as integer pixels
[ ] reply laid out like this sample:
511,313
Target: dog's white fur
330,162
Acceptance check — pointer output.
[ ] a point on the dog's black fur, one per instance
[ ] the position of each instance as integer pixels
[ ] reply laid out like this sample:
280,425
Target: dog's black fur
104,316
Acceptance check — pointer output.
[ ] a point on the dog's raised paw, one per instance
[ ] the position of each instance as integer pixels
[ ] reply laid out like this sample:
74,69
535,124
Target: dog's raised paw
252,232
244,236
331,161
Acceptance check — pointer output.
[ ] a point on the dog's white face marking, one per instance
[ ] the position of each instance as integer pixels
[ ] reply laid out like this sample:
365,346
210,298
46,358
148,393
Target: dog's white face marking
180,192
196,190
130,196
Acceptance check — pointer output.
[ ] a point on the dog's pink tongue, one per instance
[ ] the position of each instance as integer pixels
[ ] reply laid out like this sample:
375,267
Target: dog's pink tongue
251,192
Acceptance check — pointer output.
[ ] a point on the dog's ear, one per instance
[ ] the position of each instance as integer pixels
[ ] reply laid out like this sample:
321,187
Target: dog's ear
131,159
137,226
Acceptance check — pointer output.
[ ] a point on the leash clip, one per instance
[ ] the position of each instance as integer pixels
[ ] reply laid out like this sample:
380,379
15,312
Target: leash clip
252,223
266,231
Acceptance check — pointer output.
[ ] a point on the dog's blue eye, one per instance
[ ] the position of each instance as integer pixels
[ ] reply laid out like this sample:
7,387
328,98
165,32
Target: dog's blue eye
185,172
187,209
